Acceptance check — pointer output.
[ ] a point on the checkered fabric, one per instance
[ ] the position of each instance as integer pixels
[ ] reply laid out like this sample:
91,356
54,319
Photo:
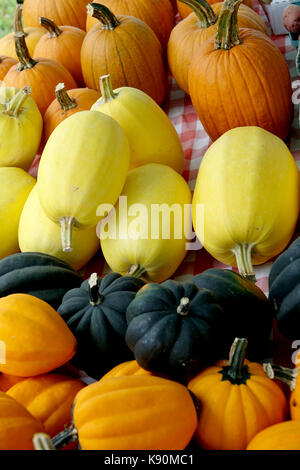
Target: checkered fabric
195,143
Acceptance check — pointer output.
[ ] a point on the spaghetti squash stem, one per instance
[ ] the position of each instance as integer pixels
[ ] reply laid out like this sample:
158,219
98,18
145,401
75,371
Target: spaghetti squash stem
66,226
242,254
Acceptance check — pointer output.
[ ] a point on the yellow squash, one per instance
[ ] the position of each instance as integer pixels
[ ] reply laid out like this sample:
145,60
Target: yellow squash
145,236
84,164
151,135
246,200
37,233
15,186
21,126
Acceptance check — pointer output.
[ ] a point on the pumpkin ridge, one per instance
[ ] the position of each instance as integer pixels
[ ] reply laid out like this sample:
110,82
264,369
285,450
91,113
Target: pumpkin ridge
272,389
259,406
119,55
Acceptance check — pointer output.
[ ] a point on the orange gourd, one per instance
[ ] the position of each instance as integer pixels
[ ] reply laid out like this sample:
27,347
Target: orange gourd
7,381
158,14
63,12
193,31
282,436
17,425
126,48
48,398
237,400
62,44
67,103
124,369
35,338
138,412
231,80
41,75
185,9
5,64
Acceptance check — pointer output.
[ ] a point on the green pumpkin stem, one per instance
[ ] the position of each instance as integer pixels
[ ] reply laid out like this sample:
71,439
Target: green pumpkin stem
204,12
136,271
53,30
227,35
183,307
104,15
243,258
65,101
284,374
237,372
18,20
42,441
66,225
65,437
106,89
25,61
13,107
95,297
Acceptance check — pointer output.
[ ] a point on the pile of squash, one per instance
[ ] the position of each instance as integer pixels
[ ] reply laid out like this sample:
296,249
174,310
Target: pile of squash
81,103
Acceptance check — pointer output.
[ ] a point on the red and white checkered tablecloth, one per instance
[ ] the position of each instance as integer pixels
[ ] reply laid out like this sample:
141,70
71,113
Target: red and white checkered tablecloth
195,142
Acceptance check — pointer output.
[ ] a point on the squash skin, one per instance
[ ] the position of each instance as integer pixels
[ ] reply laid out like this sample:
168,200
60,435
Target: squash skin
135,413
48,398
6,63
22,130
46,236
37,274
166,341
127,368
256,210
248,313
63,12
17,425
7,381
47,343
151,135
15,185
158,257
100,328
33,35
282,436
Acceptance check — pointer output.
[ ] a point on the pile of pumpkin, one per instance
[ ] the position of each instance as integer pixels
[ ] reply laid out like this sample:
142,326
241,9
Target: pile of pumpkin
112,139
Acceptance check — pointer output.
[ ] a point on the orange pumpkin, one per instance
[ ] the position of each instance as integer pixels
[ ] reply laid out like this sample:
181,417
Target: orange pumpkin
127,49
282,436
185,7
36,338
125,369
158,14
66,104
5,64
231,80
237,400
193,31
63,12
48,398
7,381
17,425
132,413
42,75
62,44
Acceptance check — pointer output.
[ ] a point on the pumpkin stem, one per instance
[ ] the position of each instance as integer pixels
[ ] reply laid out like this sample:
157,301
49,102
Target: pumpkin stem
65,437
284,374
183,307
66,225
95,297
42,441
18,20
237,372
104,15
227,35
13,107
65,101
242,254
53,30
25,61
136,271
203,10
106,89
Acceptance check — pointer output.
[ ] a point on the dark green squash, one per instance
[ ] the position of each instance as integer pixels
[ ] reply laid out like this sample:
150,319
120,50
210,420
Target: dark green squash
96,314
248,313
284,290
43,276
173,328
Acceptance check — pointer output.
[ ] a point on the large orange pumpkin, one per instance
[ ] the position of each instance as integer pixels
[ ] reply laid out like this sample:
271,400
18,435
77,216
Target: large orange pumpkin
126,48
63,12
237,400
5,64
193,31
48,398
231,80
42,75
158,14
36,339
185,7
67,103
282,436
17,425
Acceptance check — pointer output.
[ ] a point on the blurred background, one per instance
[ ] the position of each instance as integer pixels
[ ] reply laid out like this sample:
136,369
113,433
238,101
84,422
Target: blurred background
7,9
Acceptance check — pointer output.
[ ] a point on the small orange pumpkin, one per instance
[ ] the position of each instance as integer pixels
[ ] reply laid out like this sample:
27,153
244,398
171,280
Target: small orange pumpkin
5,64
36,339
237,401
17,425
48,398
282,436
67,103
125,369
63,12
126,48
